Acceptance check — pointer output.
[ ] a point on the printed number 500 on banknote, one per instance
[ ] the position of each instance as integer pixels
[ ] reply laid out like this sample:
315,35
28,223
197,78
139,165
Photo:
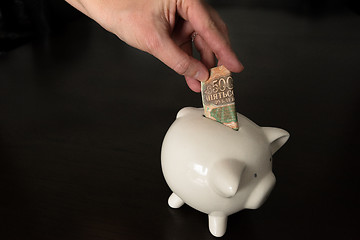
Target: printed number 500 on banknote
218,97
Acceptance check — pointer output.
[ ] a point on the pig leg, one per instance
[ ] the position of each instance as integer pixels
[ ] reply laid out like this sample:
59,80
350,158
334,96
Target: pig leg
175,201
217,223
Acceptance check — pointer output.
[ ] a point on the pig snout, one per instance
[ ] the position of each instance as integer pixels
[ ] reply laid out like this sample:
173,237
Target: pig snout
261,191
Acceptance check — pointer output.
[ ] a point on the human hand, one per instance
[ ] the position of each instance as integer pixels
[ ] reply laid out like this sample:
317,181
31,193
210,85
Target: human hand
164,28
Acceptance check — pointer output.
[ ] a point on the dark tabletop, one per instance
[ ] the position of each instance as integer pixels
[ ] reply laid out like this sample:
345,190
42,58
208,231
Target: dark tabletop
83,116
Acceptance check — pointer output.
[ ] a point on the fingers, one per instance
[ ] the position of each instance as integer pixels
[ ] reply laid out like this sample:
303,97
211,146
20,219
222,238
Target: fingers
208,24
166,50
191,82
206,55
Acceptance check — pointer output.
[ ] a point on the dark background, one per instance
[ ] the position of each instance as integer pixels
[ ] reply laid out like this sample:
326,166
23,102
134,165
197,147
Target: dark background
83,115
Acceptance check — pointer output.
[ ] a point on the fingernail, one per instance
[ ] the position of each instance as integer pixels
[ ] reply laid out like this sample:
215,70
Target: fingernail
202,75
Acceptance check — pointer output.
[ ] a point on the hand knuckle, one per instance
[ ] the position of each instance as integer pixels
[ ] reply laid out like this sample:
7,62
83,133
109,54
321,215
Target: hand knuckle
211,24
152,44
182,66
225,28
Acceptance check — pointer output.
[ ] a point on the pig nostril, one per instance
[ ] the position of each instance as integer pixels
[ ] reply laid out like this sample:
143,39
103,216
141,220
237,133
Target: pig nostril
255,175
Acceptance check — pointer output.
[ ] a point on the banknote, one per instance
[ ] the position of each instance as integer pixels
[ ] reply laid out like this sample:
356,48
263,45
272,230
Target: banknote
218,97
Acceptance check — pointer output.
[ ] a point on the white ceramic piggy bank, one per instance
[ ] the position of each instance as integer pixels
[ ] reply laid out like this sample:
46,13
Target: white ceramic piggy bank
217,170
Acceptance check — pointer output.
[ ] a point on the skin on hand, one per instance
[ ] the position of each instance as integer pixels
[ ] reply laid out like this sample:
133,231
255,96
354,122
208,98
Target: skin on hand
164,28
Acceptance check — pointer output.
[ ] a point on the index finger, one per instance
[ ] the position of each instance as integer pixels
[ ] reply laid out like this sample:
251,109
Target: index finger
208,24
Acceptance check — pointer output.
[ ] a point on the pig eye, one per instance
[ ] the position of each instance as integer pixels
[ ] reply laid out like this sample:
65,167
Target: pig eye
255,175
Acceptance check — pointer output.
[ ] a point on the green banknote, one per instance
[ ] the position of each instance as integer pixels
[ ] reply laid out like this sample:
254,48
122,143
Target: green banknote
218,97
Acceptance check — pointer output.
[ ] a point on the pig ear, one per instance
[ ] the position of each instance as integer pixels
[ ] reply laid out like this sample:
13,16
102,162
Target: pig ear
276,137
188,110
225,176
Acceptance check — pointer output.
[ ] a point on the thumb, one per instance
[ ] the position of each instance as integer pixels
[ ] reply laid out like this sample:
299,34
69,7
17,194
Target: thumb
177,59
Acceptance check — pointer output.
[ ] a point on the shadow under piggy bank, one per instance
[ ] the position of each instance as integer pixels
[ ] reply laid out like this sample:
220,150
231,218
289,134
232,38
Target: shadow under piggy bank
217,170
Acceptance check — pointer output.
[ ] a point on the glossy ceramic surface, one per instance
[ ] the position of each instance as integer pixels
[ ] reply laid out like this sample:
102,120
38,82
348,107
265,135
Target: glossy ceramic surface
217,170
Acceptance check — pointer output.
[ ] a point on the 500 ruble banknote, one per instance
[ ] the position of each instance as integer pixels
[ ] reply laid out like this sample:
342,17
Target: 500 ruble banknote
218,97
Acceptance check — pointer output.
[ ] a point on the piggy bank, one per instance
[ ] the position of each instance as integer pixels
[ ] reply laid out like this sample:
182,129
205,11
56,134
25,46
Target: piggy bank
217,170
